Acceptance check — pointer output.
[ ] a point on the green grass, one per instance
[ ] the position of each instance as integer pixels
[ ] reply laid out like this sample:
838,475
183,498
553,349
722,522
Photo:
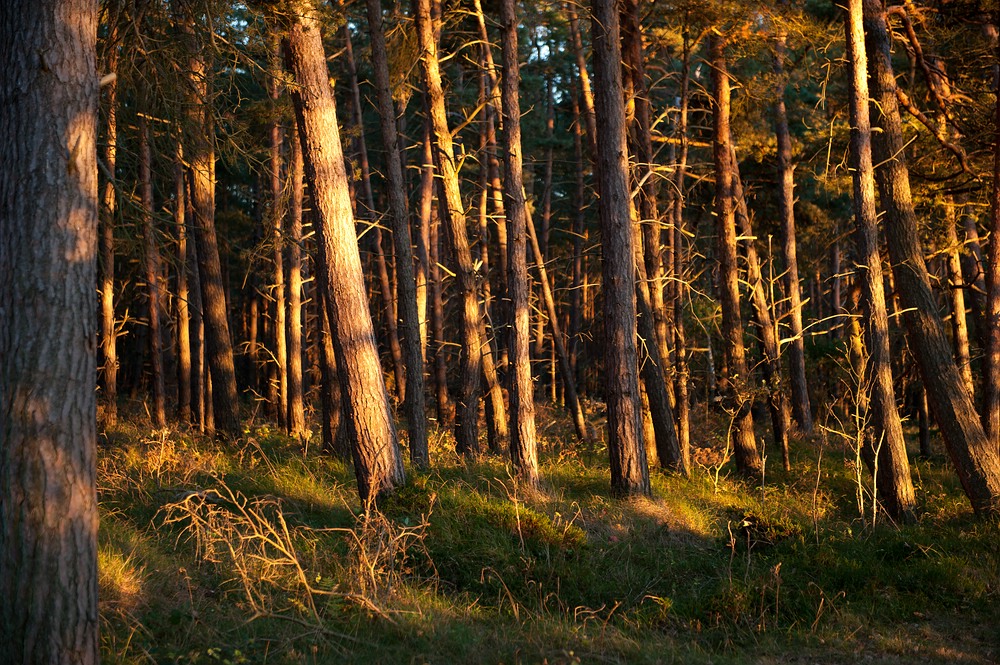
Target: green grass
465,565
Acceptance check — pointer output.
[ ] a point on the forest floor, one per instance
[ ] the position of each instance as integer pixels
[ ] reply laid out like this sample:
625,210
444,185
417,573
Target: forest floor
254,552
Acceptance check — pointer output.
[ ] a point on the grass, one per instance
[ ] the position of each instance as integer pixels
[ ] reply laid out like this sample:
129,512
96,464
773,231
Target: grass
253,553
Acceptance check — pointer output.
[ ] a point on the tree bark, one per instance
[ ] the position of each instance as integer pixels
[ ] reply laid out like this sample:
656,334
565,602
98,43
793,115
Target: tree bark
151,264
48,333
415,399
296,405
109,204
991,315
801,409
374,446
183,293
893,482
275,220
976,457
956,296
627,451
744,443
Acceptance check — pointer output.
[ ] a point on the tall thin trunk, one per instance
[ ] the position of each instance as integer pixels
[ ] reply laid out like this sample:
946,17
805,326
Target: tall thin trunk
201,142
523,447
956,296
801,409
425,211
579,226
976,456
991,314
296,405
48,410
406,283
744,444
680,292
275,219
151,265
467,434
106,239
183,293
374,446
445,408
197,320
627,451
389,306
781,422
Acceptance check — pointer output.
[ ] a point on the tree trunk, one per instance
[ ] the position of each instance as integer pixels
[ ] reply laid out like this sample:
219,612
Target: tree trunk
467,427
275,219
109,202
415,401
991,314
377,463
151,264
183,293
744,444
48,333
201,141
956,296
523,447
296,406
445,408
801,409
976,457
895,488
629,469
334,431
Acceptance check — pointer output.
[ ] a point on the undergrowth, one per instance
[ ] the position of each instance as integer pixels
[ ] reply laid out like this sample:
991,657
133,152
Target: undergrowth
252,552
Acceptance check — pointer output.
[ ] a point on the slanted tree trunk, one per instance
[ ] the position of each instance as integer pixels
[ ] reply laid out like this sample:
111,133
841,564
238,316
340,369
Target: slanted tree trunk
467,426
200,139
895,488
374,446
627,451
781,422
406,283
976,457
109,202
801,409
151,264
334,430
744,444
523,447
296,405
48,329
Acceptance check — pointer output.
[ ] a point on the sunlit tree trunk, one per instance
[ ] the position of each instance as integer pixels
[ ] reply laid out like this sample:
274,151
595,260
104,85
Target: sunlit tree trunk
106,239
956,296
48,333
991,315
183,293
629,469
296,405
976,457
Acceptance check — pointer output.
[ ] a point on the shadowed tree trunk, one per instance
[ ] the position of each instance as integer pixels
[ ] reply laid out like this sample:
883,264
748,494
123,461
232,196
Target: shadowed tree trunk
183,293
200,140
895,488
801,409
744,444
414,404
523,447
109,204
627,451
374,446
151,264
991,314
48,333
976,457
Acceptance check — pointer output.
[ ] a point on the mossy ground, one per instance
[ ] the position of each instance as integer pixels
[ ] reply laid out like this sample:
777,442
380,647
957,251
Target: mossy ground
466,565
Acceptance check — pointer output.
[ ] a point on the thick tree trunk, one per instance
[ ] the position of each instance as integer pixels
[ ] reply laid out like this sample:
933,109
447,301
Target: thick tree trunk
106,239
296,405
523,447
48,333
895,488
415,399
467,426
976,457
801,409
151,265
374,446
201,144
629,468
744,443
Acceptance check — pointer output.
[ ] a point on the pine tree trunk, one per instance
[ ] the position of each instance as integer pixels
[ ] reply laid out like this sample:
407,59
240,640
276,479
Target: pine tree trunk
374,446
425,212
467,426
956,296
48,333
579,228
445,408
296,405
151,264
275,220
407,291
183,293
744,443
627,451
106,239
334,430
801,409
201,144
991,313
976,457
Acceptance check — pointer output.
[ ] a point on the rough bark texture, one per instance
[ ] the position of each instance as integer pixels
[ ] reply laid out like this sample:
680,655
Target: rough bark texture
801,409
377,463
201,144
744,445
109,204
629,469
296,406
893,482
523,446
410,319
48,333
276,221
151,263
467,425
976,457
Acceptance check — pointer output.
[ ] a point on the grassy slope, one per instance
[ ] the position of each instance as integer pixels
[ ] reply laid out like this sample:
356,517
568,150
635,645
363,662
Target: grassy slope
467,566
